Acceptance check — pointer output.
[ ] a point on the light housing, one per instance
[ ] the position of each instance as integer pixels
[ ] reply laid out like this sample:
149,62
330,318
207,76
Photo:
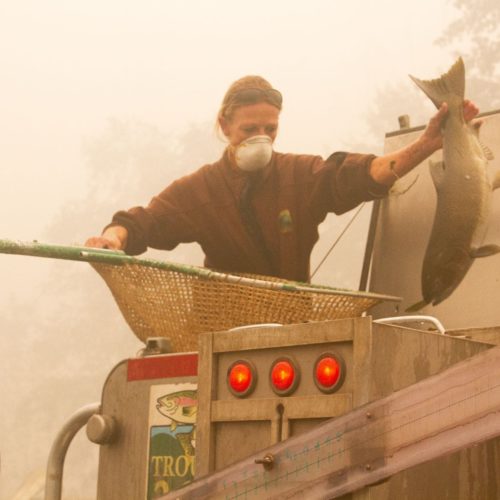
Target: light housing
329,372
241,378
284,376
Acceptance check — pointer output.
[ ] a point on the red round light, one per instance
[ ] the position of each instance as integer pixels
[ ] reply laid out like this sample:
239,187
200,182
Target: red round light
240,378
283,375
329,372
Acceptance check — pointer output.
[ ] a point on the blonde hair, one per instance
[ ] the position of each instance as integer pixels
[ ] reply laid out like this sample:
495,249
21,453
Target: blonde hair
231,100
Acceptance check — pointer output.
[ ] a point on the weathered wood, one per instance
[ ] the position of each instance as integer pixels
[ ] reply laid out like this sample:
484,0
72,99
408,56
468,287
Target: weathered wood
490,335
298,407
280,336
362,361
437,416
264,418
204,436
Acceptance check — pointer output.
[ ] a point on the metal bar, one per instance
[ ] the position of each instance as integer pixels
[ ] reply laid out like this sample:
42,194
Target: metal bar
55,463
77,253
370,242
422,127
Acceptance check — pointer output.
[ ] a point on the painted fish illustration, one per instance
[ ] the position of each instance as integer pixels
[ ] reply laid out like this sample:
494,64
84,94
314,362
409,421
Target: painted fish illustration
464,193
180,407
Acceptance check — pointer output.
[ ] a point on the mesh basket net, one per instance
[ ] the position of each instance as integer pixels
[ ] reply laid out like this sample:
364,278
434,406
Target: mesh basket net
180,304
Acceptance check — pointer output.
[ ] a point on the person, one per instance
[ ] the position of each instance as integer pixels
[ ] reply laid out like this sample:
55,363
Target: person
256,210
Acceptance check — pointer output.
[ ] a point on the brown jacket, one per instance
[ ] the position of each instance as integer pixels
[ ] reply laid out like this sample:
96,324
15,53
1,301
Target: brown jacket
274,233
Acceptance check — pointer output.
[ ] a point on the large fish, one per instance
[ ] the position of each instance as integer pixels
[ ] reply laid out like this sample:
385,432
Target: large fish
463,189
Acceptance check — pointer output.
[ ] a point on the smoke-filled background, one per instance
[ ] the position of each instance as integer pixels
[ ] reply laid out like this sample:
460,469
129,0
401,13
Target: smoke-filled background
103,103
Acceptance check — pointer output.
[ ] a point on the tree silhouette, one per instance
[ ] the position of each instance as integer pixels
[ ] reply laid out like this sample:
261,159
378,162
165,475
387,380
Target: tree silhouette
475,35
74,333
126,165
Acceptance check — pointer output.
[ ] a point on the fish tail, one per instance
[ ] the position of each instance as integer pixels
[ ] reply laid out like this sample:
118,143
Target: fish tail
449,87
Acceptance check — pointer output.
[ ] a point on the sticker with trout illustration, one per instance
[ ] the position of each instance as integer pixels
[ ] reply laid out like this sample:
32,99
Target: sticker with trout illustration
172,427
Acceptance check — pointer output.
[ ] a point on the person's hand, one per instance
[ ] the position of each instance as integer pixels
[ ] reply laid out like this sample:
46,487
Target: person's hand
432,133
114,238
103,242
470,110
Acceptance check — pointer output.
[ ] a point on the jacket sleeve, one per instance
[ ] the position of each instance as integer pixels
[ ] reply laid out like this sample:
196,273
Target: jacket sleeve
163,224
342,182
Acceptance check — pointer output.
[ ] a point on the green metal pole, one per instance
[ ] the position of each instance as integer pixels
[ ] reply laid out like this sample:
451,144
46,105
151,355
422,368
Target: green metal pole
85,254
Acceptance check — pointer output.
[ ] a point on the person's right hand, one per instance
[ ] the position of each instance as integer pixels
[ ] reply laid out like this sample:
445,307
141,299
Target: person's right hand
114,238
432,135
103,242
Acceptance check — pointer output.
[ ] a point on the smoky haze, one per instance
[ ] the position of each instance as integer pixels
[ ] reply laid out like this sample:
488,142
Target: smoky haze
104,103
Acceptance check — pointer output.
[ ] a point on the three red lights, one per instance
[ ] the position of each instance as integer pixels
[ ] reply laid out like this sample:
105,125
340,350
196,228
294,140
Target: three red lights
284,375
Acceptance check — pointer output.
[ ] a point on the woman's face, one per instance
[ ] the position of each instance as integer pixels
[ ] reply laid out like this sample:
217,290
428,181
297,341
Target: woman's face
254,119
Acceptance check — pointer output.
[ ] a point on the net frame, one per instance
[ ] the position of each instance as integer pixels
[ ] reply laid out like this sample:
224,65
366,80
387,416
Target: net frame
166,299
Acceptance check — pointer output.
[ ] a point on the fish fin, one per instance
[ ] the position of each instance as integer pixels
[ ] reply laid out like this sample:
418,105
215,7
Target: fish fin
417,306
484,251
475,127
448,87
496,181
437,170
488,153
477,124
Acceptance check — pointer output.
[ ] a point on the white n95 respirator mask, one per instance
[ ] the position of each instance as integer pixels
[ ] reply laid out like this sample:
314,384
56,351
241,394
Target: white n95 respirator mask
254,153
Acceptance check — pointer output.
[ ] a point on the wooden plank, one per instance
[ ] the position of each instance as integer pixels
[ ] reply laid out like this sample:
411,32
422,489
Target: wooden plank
207,366
437,416
289,335
490,335
362,361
